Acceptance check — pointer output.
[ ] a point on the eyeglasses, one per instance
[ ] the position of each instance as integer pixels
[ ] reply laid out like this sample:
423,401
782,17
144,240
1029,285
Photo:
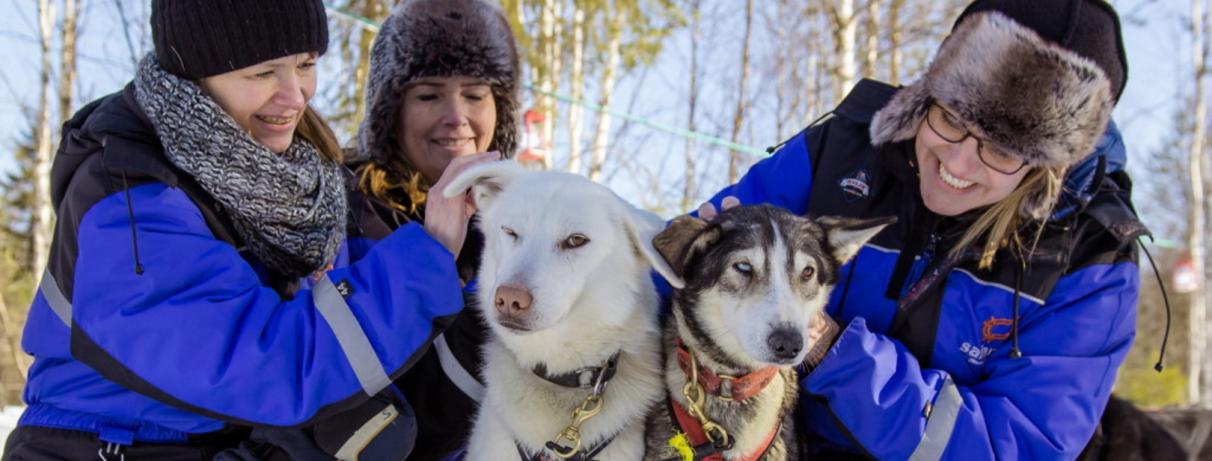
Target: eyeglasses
951,129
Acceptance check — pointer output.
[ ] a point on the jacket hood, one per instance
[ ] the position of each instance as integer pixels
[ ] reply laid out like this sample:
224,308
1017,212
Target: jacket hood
105,122
1084,178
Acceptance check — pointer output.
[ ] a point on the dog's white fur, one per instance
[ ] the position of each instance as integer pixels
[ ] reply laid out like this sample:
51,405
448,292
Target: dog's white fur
588,303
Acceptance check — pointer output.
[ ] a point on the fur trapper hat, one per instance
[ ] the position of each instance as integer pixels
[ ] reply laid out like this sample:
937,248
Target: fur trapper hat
1035,98
439,38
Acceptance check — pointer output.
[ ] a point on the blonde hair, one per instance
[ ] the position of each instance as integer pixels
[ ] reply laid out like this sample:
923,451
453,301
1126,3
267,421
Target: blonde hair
999,225
313,129
388,182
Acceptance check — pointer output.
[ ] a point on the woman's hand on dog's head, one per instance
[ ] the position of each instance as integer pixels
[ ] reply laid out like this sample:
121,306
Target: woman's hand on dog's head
707,209
446,217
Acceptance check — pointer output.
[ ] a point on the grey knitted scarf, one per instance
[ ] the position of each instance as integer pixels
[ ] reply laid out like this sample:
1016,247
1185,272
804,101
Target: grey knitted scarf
289,208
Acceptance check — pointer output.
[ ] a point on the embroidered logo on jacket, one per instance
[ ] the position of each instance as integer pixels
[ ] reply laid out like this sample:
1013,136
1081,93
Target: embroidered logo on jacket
995,329
855,185
976,354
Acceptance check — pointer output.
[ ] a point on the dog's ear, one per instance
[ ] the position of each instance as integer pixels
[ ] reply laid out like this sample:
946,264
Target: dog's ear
642,227
847,235
681,239
486,181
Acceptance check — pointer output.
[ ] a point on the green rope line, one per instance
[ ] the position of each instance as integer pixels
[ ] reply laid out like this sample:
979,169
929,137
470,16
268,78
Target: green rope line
653,124
361,20
706,138
1163,243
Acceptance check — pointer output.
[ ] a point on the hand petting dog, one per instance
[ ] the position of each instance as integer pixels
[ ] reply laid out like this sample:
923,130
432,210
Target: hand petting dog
446,217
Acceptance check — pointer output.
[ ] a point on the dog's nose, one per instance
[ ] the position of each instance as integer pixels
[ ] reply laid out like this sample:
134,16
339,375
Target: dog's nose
513,300
785,343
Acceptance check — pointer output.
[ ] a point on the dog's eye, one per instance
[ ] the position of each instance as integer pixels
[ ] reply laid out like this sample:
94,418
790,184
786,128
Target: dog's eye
574,241
807,273
509,232
743,267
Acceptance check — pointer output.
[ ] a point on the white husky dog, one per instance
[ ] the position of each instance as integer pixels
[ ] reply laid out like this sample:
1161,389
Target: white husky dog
574,364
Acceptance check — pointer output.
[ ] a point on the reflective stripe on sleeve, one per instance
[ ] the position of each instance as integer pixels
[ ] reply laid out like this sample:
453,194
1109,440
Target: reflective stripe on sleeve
350,336
54,297
939,424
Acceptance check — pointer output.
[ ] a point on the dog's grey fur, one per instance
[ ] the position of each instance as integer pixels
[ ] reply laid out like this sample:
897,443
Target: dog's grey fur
438,38
725,315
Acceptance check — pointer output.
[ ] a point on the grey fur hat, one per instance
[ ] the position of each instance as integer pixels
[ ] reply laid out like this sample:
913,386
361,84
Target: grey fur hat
1037,99
438,38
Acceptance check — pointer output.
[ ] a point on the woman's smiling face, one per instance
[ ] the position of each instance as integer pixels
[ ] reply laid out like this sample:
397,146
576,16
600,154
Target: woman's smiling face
267,99
954,179
443,118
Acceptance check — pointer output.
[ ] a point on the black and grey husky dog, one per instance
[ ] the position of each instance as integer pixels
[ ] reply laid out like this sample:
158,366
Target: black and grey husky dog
753,278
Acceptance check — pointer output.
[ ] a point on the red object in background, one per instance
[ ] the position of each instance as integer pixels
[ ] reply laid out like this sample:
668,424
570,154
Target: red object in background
1185,280
534,147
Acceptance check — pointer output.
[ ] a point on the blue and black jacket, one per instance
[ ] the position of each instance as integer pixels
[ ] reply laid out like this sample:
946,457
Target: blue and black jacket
939,359
444,387
154,324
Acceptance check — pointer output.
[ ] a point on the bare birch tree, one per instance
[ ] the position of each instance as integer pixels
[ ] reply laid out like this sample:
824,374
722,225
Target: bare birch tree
871,46
894,41
576,84
42,214
689,191
614,37
545,73
67,61
373,10
844,23
738,117
1197,390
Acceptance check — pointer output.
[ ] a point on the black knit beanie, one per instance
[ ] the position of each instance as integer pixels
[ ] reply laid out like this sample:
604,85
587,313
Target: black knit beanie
201,38
1089,28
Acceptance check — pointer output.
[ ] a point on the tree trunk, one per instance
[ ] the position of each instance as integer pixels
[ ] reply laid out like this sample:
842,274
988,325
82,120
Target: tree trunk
16,361
1197,391
894,41
576,83
738,117
372,10
688,184
845,31
871,46
67,62
779,24
547,71
42,216
614,35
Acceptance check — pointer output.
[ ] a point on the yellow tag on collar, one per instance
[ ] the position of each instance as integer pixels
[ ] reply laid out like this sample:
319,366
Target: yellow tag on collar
681,444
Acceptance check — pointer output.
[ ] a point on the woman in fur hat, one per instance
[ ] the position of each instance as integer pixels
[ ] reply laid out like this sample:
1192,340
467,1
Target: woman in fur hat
200,282
990,320
443,85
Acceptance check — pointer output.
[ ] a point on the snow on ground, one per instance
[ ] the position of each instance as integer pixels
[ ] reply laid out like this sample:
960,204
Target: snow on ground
8,420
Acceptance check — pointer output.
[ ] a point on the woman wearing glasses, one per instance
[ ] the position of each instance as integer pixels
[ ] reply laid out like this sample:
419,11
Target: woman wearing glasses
990,320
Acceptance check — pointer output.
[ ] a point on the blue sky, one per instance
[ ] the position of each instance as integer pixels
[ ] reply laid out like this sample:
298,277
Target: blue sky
1157,50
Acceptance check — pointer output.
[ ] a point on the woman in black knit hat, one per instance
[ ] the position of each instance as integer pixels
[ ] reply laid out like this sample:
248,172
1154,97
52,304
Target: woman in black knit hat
201,291
990,320
443,85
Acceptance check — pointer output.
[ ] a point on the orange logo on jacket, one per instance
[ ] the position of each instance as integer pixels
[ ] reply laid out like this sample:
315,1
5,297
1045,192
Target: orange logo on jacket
995,329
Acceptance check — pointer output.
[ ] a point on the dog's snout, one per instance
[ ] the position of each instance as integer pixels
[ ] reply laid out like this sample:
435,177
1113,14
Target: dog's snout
785,343
513,300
